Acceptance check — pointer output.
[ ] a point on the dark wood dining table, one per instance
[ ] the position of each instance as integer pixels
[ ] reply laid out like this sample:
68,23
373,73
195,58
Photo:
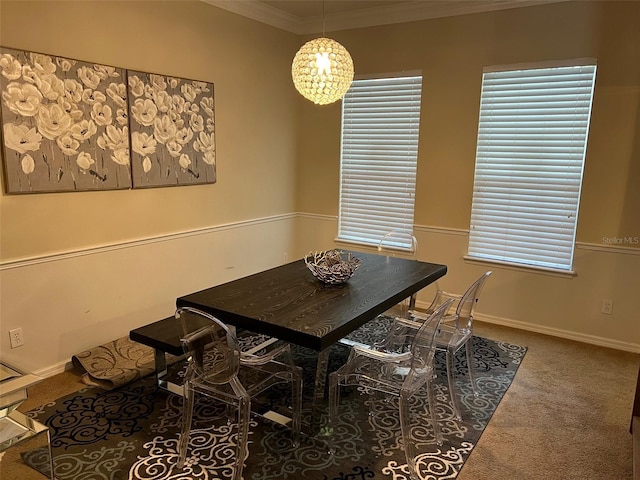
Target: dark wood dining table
288,303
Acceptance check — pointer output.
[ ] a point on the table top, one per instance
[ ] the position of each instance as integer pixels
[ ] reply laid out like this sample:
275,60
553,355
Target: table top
289,303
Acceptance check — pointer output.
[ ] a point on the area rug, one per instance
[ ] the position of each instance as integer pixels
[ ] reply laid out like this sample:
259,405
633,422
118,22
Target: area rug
116,363
131,432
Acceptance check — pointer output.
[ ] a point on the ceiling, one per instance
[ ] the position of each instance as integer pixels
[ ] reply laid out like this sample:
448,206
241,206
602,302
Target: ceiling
306,16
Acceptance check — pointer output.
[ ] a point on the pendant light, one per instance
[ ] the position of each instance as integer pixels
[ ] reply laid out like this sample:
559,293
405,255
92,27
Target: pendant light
322,70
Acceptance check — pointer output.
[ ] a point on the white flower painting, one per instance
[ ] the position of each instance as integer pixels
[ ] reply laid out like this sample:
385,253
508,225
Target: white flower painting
172,130
69,125
63,126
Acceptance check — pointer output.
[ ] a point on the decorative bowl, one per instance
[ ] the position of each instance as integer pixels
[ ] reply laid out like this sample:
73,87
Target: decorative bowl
331,267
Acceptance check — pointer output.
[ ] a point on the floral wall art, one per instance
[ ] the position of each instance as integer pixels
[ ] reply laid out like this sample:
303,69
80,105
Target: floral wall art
64,124
172,130
69,125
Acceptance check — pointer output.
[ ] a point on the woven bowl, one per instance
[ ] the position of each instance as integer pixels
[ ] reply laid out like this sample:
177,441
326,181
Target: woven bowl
331,267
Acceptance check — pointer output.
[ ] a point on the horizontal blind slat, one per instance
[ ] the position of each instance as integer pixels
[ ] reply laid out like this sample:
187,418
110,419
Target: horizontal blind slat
532,133
380,128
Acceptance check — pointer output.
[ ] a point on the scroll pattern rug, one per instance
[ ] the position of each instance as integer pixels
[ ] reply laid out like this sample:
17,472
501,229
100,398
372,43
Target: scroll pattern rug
131,432
115,363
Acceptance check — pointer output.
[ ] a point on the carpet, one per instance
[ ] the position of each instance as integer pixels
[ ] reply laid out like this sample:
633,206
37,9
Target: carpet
131,432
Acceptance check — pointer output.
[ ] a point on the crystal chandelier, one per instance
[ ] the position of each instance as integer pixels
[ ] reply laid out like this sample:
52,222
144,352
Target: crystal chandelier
322,71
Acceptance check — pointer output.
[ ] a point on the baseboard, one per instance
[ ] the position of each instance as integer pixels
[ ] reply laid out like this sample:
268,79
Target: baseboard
554,332
54,369
557,332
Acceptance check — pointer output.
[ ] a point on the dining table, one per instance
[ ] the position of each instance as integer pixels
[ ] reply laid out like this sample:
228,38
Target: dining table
288,303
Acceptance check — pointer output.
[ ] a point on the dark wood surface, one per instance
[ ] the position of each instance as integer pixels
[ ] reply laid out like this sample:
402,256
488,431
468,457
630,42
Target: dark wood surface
289,303
163,335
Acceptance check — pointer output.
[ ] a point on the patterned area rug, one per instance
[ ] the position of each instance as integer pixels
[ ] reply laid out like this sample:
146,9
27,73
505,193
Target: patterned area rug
131,432
115,363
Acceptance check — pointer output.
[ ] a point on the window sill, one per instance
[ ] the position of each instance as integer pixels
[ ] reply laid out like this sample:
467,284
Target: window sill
371,246
351,243
522,268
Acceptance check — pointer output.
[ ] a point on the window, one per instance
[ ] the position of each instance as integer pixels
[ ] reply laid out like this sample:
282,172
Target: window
532,139
380,128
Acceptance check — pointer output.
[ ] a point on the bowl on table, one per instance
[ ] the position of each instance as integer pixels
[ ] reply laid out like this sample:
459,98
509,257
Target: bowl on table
332,266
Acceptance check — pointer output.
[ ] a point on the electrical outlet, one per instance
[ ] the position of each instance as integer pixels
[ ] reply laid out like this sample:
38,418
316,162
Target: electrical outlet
285,257
16,338
607,306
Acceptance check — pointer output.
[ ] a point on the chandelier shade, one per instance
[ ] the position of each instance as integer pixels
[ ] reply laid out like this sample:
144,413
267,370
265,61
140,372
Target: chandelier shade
322,71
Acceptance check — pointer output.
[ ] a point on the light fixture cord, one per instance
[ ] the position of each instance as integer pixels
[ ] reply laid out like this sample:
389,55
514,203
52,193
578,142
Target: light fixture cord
323,18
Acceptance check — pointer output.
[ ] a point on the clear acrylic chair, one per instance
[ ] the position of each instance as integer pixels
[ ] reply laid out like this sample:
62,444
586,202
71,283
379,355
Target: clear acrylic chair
400,371
456,331
218,369
400,243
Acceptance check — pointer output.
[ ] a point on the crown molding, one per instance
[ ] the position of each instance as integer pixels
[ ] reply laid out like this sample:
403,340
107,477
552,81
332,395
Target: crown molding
408,11
261,12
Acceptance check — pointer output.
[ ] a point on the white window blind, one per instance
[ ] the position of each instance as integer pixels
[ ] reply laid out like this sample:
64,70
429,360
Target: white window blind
380,128
532,139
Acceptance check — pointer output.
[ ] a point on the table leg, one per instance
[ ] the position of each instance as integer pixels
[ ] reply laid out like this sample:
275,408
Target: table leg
51,464
161,365
161,374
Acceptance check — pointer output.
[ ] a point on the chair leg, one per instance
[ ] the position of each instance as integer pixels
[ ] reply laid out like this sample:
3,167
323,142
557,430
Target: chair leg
405,426
334,401
410,449
319,386
434,416
469,351
244,416
187,416
450,378
296,394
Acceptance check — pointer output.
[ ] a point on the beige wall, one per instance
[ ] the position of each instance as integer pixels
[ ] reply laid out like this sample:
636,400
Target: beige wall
451,53
249,64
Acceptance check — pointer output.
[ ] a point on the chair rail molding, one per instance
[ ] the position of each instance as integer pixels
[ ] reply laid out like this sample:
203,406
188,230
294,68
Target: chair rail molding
96,249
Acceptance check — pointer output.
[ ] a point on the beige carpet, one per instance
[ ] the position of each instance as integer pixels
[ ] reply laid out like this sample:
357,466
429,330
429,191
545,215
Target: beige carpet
566,415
